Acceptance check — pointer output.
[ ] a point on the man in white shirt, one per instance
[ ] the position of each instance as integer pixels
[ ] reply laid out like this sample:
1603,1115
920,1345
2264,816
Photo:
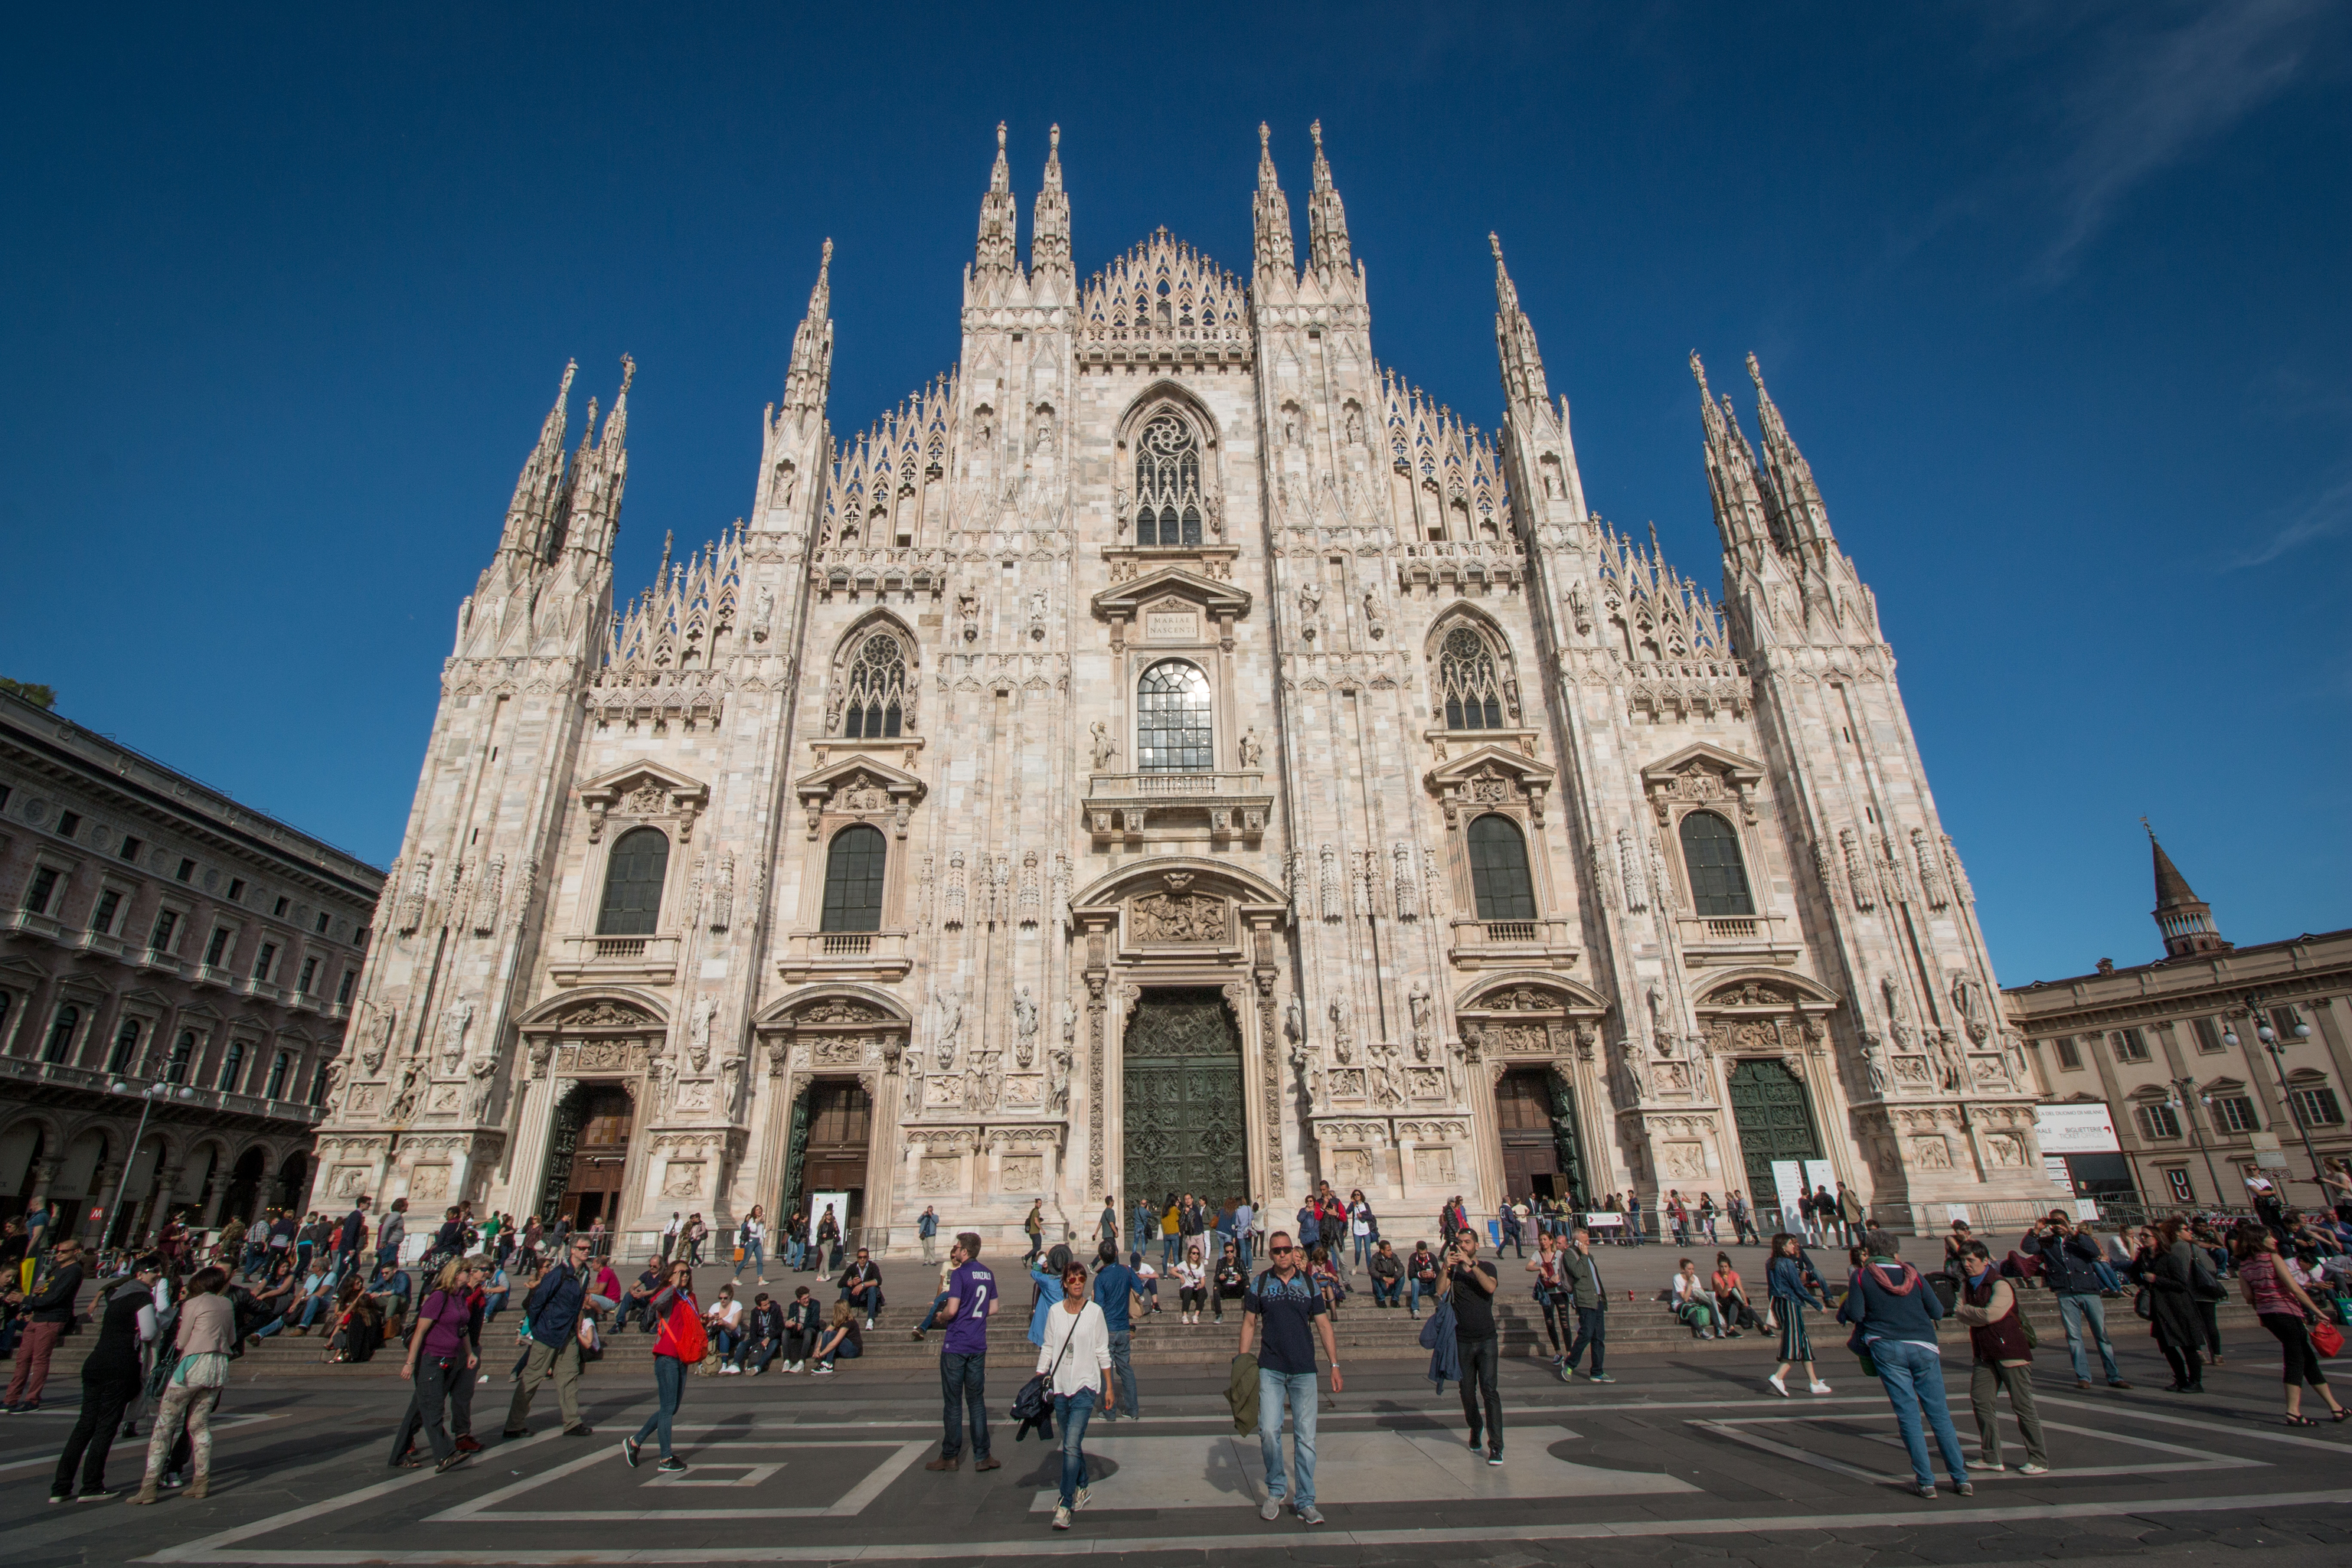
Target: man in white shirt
1244,1221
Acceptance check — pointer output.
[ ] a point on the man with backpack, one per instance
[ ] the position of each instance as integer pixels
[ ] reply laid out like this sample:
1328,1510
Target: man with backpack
1285,1301
2070,1267
553,1308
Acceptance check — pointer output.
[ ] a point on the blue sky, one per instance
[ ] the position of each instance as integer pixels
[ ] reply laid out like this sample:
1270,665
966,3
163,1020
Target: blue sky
2053,298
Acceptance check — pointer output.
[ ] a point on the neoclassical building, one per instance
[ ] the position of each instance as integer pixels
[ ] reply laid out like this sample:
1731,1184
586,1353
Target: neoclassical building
1169,752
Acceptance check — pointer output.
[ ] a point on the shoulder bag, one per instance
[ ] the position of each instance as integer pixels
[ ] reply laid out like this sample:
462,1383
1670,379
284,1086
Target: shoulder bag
1033,1407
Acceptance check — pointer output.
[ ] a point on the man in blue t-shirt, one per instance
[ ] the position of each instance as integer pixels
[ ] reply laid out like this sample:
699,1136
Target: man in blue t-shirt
1287,1301
963,1356
1115,1284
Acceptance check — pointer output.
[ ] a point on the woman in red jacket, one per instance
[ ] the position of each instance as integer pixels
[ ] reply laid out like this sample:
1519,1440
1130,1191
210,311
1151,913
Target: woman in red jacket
677,1349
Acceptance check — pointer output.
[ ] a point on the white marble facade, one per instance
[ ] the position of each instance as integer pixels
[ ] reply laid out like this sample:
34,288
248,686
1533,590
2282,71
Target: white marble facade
1217,646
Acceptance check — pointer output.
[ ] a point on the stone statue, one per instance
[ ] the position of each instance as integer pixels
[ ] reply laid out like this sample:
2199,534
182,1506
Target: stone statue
1251,751
1025,1028
951,1005
1423,1010
1343,1044
1294,1024
1310,608
456,1021
1057,1079
404,1102
698,1033
477,1110
1105,748
1968,996
1872,1065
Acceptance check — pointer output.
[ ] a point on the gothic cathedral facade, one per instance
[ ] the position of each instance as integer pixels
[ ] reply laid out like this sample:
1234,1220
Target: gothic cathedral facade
1166,754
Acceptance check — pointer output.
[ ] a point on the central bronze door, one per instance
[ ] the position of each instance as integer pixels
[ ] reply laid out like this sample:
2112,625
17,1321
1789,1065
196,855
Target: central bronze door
1181,1098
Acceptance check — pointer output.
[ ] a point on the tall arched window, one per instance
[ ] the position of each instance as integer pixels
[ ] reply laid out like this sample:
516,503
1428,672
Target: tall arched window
876,701
1717,878
1498,870
62,1034
633,883
1172,733
184,1052
126,1042
233,1068
1167,483
1469,682
853,879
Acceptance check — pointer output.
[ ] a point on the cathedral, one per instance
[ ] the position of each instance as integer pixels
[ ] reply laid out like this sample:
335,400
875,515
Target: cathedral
1169,752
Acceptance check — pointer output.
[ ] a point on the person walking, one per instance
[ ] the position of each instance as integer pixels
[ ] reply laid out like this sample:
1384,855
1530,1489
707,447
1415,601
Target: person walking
553,1307
1850,1213
2171,1272
2287,1311
1743,1224
1075,1359
1286,1302
1471,1286
1034,1228
351,1234
751,1244
440,1363
2071,1261
1115,1286
1146,1222
1550,1298
795,1241
1106,1227
46,1310
2003,1362
927,1228
1580,1277
963,1357
1792,1287
1894,1314
1245,1232
679,1346
111,1379
205,1333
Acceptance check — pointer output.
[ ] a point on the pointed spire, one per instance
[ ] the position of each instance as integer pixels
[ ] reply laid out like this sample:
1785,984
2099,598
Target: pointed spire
1793,500
599,474
811,372
537,509
998,218
1515,339
1730,472
1277,247
1049,228
1326,217
2185,919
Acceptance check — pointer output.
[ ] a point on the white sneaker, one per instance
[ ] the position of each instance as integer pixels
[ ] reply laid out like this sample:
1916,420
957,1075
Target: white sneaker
2031,1469
1080,1506
822,1372
1820,1387
1061,1518
1777,1386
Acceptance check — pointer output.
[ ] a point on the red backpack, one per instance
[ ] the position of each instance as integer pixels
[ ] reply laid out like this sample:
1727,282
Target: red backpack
683,1331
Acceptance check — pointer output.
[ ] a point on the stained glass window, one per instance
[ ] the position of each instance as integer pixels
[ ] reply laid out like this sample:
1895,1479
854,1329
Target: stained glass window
1168,484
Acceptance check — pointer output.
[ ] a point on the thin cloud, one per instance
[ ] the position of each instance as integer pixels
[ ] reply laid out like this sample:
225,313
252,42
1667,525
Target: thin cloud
2156,98
2324,516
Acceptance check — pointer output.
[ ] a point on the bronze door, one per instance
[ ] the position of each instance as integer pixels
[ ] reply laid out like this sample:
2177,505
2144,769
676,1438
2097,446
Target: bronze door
1181,1098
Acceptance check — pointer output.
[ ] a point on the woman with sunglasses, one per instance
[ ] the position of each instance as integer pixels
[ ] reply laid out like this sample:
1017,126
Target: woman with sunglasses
1074,1358
677,1347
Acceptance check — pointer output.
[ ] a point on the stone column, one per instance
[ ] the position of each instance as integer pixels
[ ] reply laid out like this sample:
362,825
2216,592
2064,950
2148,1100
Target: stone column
534,1119
216,1192
110,1182
45,1176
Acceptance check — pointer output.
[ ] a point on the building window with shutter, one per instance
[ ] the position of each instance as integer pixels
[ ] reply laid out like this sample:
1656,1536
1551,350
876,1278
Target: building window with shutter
2070,1056
2207,1033
2131,1046
2235,1113
2159,1121
2316,1107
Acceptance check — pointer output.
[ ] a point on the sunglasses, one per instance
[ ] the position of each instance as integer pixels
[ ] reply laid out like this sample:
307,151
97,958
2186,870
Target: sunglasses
1282,1250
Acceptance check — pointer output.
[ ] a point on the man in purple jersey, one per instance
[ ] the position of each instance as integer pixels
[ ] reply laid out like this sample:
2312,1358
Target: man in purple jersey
963,1356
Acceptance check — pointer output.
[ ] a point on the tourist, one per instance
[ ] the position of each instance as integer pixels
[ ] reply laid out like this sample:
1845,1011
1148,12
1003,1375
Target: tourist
1580,1277
751,1244
1956,1251
841,1341
1731,1295
1288,1305
802,1321
1310,1225
1147,1285
553,1308
1706,1213
1245,1232
1893,1312
2169,1270
2070,1264
1115,1288
2004,1362
1850,1213
1106,1227
1743,1222
763,1334
861,1287
1678,1214
1694,1305
636,1301
1075,1357
678,1348
205,1334
1191,1288
442,1358
1387,1271
1034,1227
795,1240
927,1229
111,1379
1471,1286
1149,1221
47,1308
2282,1306
940,1301
723,1321
351,1234
1363,1228
828,1242
1229,1282
963,1357
1046,1290
1421,1277
1791,1287
695,1235
1549,1298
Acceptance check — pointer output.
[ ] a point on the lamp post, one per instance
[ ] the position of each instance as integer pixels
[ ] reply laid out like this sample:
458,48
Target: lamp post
2268,1037
148,1095
2184,1098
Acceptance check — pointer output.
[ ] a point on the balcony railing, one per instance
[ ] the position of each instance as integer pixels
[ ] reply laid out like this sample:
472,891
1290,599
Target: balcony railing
1234,804
31,924
213,975
652,960
1479,945
1737,939
845,954
56,1076
161,963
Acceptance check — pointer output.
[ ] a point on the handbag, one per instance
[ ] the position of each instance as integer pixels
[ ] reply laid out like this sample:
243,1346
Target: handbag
2144,1305
2327,1340
1033,1406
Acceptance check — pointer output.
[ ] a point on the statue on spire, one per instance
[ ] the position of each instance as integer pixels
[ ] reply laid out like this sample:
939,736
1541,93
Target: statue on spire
998,218
1277,248
1326,217
1049,228
1515,339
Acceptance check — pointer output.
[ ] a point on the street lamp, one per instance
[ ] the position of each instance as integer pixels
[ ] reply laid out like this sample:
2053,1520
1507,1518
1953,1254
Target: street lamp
149,1095
2183,1099
2268,1037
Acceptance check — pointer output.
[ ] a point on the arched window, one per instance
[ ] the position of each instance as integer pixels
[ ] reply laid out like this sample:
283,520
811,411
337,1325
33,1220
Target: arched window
126,1042
62,1034
1173,733
1498,870
876,701
183,1051
1469,682
853,879
1718,880
279,1066
1168,483
233,1067
633,883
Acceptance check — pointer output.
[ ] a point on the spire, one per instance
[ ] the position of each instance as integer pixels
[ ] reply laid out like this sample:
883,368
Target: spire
1049,228
1793,502
998,218
1515,339
1277,250
599,474
812,366
2185,919
1739,514
1327,218
537,507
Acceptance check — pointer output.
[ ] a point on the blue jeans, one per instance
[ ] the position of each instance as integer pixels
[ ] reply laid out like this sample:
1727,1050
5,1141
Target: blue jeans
963,1386
1122,1372
931,1318
1243,1247
2107,1277
1412,1291
1591,1329
725,1340
669,1383
1169,1242
756,1255
1386,1292
794,1252
1364,1244
2073,1307
1072,1412
1914,1379
1296,1390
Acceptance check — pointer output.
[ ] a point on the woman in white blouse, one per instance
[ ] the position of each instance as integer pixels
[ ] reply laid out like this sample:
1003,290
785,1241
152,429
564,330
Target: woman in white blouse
1191,1280
1075,1360
725,1321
